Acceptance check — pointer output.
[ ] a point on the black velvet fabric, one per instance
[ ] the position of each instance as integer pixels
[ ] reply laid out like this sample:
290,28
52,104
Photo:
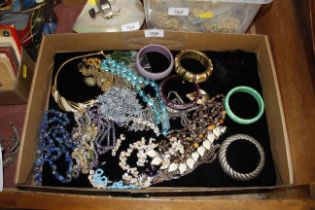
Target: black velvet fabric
231,68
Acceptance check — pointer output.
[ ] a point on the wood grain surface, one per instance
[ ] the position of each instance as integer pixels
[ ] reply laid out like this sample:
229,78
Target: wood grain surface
292,51
289,199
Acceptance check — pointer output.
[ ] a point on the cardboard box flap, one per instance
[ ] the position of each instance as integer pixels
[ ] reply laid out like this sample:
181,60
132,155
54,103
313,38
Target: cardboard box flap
280,149
135,40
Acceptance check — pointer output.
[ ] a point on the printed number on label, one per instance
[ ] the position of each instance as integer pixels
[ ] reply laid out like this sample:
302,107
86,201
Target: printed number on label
130,26
176,11
154,33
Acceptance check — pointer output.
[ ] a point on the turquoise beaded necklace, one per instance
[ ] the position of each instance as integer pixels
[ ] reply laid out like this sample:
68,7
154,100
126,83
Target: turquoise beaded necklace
158,108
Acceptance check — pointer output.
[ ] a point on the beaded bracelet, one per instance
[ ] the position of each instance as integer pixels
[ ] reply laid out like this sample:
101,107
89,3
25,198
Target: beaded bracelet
159,109
98,180
174,114
171,104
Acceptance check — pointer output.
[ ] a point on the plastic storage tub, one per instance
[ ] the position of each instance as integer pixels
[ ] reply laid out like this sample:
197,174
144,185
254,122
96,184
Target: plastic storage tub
226,16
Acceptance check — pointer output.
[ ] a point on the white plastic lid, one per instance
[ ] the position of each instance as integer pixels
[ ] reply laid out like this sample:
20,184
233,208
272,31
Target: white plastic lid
243,1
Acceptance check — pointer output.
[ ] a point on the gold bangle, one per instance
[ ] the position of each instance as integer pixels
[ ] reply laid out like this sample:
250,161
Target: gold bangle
71,106
189,76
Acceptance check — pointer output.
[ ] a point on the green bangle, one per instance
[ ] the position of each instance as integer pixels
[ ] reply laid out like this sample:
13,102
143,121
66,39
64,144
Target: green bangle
250,91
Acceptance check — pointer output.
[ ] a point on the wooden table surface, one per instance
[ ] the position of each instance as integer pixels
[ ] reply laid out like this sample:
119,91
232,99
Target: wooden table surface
296,198
292,51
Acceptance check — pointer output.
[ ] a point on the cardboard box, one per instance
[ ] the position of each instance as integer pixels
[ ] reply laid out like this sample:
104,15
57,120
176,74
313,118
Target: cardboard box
53,44
19,91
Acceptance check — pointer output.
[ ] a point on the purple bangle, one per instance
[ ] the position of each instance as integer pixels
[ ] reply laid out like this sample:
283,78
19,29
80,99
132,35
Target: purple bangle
170,103
158,49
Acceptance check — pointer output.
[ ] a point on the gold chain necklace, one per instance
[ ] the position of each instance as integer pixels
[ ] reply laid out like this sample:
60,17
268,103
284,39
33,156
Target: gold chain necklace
71,106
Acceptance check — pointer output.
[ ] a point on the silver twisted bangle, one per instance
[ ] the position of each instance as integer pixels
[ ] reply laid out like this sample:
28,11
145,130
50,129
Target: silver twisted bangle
227,168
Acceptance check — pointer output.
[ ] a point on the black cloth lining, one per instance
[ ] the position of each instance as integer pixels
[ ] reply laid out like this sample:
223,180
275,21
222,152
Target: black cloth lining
231,68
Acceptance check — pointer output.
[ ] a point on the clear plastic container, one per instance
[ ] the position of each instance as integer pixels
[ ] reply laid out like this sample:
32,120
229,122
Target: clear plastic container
225,16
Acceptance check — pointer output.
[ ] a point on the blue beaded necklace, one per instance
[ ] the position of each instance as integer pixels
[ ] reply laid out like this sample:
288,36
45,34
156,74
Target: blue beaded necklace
99,180
54,143
159,109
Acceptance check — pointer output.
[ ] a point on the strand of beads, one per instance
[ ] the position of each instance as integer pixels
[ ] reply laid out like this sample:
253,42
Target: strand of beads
132,175
173,163
121,138
105,138
122,106
182,152
158,108
84,134
99,180
54,143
